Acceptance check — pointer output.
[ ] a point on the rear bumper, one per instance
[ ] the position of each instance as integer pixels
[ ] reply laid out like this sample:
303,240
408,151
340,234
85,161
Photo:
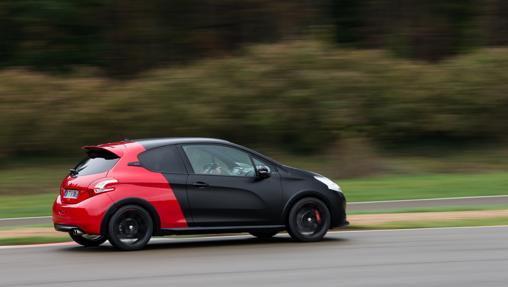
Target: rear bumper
65,228
85,216
69,229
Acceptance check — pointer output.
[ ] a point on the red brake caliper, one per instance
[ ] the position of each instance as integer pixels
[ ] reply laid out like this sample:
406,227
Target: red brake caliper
318,216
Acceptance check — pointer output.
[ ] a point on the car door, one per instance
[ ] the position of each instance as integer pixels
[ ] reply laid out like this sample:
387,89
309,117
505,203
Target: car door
223,189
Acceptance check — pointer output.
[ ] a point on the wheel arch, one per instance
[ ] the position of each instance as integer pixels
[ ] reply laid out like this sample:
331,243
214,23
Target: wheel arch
303,194
131,201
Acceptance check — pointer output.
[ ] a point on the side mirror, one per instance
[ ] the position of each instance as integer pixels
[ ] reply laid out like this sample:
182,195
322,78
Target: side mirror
263,172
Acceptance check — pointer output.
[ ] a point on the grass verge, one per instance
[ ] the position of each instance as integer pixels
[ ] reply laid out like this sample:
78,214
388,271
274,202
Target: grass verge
26,205
425,186
33,240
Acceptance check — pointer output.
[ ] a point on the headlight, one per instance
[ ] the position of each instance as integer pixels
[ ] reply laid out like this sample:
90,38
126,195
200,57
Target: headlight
331,185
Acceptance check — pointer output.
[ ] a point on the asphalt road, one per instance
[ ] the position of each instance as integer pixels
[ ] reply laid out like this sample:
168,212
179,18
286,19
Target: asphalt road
427,257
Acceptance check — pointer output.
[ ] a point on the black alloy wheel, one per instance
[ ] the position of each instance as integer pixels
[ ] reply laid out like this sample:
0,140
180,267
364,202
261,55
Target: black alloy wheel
308,220
130,228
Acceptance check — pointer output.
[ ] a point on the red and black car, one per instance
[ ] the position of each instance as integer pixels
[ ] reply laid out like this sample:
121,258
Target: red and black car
126,192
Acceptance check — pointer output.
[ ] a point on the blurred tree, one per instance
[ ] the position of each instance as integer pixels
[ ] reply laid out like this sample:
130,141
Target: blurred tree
127,37
432,30
348,20
50,34
494,22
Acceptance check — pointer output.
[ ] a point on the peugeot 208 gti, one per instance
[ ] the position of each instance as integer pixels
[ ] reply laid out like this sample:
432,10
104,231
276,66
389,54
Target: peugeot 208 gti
126,192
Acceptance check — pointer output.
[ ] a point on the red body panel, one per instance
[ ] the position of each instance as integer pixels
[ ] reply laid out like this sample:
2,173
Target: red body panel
89,209
87,215
141,183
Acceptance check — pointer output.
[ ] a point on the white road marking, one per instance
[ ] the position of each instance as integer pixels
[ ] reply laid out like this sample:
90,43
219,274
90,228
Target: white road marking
349,203
428,199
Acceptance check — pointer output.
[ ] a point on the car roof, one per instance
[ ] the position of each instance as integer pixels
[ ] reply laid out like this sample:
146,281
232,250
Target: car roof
157,142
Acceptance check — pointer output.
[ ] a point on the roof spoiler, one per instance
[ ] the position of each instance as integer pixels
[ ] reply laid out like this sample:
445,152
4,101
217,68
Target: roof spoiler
105,150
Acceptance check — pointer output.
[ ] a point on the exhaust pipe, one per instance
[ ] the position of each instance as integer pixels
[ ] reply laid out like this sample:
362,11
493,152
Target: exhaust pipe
77,232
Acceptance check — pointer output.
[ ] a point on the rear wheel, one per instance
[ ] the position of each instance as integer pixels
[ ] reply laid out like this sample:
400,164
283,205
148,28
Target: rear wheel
88,240
130,228
308,220
264,234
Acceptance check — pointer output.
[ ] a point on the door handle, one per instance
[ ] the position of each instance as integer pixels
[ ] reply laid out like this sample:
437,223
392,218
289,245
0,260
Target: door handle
200,184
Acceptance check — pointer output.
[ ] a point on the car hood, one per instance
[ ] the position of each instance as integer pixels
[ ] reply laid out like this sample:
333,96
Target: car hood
299,172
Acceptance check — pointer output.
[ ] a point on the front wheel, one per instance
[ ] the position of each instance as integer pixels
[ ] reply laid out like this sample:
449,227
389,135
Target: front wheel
88,240
308,220
130,228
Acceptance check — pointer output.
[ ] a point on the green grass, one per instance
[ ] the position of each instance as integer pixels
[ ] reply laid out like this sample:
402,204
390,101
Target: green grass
26,205
31,191
31,179
33,240
425,186
27,190
429,224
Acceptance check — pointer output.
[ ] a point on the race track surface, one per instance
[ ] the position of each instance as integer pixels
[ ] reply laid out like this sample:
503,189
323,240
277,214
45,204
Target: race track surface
427,257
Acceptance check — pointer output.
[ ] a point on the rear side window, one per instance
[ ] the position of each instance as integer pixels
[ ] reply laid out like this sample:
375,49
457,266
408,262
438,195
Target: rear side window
165,159
96,162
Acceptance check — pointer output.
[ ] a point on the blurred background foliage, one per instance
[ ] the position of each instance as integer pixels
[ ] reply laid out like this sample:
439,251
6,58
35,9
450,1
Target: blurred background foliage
344,78
125,37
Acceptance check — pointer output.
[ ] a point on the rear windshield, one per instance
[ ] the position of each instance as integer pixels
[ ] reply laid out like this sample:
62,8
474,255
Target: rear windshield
96,162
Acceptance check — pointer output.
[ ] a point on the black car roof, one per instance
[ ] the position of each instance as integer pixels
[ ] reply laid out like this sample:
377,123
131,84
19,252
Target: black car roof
157,142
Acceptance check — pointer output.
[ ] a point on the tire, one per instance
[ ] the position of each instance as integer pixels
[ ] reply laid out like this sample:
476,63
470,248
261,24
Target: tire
130,228
308,220
88,240
263,234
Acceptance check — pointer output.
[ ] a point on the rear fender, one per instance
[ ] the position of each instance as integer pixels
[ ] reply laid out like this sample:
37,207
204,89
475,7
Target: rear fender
131,201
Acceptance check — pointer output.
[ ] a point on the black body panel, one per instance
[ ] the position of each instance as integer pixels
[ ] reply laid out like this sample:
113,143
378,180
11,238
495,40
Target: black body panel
234,200
220,229
299,183
178,182
221,203
158,142
168,161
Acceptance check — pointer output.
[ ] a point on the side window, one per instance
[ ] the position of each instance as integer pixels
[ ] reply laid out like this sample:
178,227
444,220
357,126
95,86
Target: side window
219,160
163,159
258,163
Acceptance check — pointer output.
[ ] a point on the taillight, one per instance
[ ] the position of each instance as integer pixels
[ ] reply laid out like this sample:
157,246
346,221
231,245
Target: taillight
104,185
